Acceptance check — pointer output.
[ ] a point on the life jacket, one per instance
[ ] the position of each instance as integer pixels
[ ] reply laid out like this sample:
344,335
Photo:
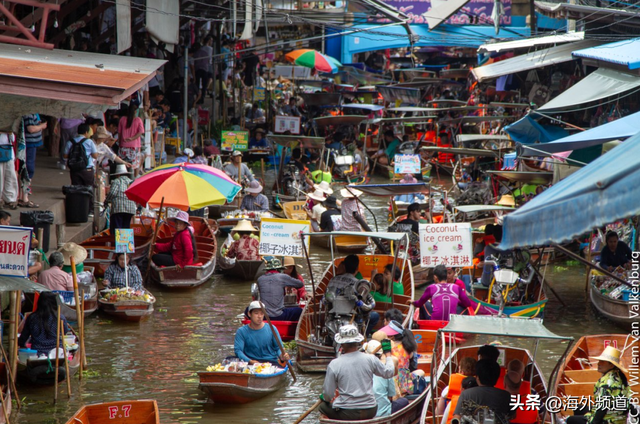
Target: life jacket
500,383
455,385
452,407
522,415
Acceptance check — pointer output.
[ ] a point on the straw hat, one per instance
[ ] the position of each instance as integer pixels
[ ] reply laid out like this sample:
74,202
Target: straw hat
181,216
254,187
244,225
188,152
324,187
70,249
121,169
350,194
506,200
373,347
103,134
317,195
289,261
349,334
611,355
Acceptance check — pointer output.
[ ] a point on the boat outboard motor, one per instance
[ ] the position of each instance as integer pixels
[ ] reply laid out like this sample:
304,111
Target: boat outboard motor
342,163
341,312
255,292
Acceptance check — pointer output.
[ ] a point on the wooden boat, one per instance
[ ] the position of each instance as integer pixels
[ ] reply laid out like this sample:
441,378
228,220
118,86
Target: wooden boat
101,251
579,372
225,224
243,270
191,275
42,371
90,302
6,392
235,387
616,310
128,310
294,210
121,412
346,244
313,356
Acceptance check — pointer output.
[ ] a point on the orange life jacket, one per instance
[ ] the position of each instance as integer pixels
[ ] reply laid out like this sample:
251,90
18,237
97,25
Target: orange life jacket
452,408
455,385
500,383
522,415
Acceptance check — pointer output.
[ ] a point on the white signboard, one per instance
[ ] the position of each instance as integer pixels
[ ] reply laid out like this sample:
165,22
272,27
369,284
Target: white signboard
406,164
14,251
450,245
281,237
287,123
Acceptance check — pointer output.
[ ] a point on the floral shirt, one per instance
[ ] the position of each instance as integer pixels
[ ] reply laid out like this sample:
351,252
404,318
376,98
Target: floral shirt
610,386
244,249
404,381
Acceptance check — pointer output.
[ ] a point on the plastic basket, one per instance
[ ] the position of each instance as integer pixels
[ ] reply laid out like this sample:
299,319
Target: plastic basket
67,296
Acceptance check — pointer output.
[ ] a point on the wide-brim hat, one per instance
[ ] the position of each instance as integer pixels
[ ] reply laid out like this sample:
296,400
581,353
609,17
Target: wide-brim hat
330,202
70,249
188,152
611,355
506,200
254,187
353,193
121,169
348,334
102,133
317,195
244,225
181,216
289,261
324,187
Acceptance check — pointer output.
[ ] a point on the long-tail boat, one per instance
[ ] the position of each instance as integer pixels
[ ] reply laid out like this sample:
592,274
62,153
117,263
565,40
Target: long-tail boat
237,387
121,412
101,250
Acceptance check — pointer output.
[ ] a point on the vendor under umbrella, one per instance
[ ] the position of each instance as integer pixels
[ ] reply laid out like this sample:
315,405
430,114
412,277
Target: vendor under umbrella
255,200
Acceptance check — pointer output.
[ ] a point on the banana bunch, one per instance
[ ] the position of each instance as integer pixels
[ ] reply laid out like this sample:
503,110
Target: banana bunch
216,367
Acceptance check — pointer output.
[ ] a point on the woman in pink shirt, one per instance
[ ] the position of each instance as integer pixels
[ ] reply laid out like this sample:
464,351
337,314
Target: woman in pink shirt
130,129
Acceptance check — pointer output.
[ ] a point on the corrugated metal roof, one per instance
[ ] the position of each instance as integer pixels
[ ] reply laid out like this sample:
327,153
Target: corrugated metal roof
626,52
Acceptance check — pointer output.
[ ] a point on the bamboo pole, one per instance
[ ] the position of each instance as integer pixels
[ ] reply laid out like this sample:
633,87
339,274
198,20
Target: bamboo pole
55,383
4,407
79,316
16,319
66,359
12,380
81,341
13,327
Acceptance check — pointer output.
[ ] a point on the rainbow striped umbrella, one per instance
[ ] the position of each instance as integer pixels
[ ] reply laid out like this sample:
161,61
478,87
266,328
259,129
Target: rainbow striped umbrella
313,59
183,186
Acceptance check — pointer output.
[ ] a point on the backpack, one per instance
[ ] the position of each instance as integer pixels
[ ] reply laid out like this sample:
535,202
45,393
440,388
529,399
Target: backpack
77,160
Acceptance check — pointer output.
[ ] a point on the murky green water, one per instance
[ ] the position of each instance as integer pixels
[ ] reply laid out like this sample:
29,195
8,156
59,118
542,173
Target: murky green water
159,358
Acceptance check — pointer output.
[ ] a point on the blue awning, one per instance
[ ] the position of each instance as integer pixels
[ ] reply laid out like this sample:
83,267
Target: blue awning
626,53
602,192
619,129
528,131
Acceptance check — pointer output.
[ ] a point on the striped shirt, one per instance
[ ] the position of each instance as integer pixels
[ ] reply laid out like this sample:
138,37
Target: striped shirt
116,277
120,203
32,139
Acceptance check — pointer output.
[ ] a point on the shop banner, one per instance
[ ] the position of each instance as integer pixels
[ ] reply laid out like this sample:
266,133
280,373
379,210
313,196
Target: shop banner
14,251
124,240
474,12
406,164
450,245
281,237
235,140
287,123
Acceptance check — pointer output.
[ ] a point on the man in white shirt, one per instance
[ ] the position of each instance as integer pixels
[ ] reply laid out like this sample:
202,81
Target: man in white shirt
8,177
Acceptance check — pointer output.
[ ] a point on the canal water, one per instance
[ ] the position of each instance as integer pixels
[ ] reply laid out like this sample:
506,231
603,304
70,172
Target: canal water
190,330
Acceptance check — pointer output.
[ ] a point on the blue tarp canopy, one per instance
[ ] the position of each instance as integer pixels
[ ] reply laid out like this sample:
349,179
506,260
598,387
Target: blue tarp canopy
527,131
626,53
619,129
602,192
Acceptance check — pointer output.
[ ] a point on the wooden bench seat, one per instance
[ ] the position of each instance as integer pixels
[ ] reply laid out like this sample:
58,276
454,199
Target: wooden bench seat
583,376
577,389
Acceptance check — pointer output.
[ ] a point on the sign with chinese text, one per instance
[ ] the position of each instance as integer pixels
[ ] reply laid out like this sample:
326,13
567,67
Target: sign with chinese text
287,123
235,140
475,11
281,237
450,245
14,251
124,240
259,94
406,164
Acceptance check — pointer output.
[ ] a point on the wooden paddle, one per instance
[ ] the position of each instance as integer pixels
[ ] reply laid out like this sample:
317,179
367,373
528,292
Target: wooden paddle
275,335
66,360
310,410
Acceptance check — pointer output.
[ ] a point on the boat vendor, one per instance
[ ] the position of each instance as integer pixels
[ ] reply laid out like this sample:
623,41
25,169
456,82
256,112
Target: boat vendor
385,157
291,269
55,278
258,141
351,376
181,251
255,200
384,389
115,275
232,168
445,297
331,219
612,385
246,247
40,327
272,286
255,342
616,253
314,206
351,206
485,395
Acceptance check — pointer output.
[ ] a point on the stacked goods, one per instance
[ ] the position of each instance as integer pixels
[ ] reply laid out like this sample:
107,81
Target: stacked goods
125,294
243,367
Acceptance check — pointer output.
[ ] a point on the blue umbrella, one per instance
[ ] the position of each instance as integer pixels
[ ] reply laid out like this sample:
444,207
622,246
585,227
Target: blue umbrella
602,192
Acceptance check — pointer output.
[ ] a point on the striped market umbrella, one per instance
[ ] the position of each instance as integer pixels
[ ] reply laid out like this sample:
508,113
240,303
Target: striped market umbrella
313,59
183,186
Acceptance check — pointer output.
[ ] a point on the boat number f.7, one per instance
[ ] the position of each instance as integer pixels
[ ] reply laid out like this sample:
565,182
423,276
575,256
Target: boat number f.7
113,412
613,343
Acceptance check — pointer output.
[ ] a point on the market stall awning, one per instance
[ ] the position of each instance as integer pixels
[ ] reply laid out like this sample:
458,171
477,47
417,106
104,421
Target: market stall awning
363,106
404,94
324,121
441,10
615,130
531,42
601,15
602,192
462,151
8,284
527,177
625,53
527,130
483,208
500,326
600,84
534,60
391,189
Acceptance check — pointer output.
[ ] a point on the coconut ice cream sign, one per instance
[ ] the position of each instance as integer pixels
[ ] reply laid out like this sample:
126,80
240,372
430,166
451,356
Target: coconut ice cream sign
450,245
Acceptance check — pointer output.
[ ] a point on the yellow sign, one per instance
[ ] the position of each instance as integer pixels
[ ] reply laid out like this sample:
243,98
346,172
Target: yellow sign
259,94
235,140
